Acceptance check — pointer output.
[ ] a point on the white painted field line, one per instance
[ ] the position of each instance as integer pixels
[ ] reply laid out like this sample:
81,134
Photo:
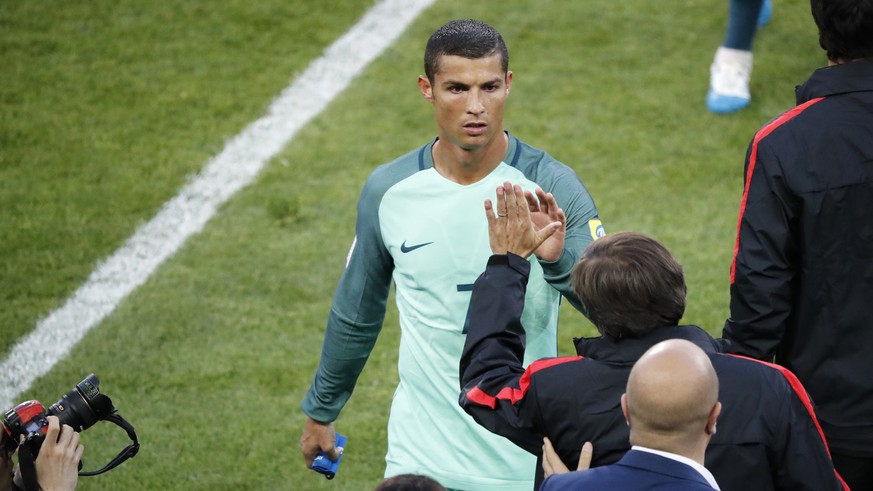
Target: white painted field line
234,168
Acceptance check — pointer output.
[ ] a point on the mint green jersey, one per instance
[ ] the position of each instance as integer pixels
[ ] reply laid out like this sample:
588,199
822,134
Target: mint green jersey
430,236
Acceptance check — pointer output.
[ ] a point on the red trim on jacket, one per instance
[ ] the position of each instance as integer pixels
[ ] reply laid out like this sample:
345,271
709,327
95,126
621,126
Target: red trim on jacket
800,390
513,394
753,158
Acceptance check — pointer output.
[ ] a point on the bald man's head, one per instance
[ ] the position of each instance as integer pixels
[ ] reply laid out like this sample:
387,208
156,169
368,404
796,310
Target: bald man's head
672,396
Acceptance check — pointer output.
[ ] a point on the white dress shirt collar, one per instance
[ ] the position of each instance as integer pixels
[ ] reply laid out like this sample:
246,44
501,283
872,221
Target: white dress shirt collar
685,460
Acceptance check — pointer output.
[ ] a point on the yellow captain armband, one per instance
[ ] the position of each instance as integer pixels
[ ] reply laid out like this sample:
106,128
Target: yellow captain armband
596,229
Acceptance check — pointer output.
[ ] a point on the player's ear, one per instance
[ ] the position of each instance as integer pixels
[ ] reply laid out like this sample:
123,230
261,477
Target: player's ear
508,81
425,87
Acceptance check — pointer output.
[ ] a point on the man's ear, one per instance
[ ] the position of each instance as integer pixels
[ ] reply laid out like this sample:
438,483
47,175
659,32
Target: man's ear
508,81
425,88
624,408
713,417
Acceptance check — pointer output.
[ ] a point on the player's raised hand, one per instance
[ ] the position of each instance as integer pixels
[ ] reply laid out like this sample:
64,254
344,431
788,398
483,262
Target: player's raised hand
544,210
512,229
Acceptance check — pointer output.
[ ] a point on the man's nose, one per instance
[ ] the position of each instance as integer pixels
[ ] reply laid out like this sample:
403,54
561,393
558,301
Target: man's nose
474,103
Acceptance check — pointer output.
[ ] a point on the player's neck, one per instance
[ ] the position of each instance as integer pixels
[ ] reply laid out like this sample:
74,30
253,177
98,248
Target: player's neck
468,166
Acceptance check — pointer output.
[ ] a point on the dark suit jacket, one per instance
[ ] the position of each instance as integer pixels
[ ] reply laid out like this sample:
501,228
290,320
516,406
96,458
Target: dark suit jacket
635,471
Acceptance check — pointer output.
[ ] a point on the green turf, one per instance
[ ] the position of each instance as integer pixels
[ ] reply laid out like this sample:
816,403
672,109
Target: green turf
108,107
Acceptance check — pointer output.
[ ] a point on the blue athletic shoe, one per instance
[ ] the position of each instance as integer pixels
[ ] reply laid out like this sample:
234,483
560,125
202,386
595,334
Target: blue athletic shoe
729,80
766,13
723,104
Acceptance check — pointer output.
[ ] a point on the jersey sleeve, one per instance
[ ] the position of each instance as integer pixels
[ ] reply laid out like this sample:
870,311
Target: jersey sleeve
583,225
494,384
765,255
357,312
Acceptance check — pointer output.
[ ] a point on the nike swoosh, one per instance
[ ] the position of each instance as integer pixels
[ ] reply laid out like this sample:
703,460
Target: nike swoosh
404,249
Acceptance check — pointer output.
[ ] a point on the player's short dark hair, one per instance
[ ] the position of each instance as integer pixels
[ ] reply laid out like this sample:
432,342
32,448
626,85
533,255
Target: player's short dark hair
468,38
845,28
630,284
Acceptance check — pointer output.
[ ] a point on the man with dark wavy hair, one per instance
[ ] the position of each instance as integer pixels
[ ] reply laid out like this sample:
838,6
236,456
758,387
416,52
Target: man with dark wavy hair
634,291
802,275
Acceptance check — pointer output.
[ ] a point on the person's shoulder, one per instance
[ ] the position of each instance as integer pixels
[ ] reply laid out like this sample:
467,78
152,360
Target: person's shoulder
553,176
768,380
618,476
592,386
549,376
733,364
525,156
406,164
387,175
551,366
742,362
648,470
799,120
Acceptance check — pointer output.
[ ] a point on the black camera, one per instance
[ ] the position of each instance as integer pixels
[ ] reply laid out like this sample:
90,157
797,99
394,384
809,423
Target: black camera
79,408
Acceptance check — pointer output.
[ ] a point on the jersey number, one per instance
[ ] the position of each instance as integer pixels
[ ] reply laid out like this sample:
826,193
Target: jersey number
466,287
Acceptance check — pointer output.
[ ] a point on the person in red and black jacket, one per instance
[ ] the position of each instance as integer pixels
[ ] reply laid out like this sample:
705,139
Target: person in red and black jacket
634,292
802,275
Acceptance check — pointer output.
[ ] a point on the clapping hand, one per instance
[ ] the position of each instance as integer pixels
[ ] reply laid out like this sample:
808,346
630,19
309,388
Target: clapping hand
544,211
523,226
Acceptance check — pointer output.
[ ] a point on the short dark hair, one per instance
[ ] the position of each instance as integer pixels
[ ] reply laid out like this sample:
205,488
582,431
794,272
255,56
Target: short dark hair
468,38
630,284
409,482
845,28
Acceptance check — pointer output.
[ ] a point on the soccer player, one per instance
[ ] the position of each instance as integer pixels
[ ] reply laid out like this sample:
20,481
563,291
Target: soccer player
420,224
731,67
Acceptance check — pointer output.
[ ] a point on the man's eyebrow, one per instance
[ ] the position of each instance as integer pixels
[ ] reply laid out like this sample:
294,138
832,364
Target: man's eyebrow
457,83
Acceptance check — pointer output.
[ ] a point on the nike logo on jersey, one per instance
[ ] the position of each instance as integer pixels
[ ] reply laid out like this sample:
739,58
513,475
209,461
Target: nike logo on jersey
404,248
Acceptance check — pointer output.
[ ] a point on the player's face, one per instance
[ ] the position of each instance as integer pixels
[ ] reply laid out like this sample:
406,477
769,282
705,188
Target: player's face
468,96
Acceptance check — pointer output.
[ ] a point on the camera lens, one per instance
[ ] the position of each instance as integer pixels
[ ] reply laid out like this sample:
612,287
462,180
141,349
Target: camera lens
83,406
89,388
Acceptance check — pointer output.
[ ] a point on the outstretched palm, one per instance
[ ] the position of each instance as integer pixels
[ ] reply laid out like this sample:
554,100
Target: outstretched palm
515,229
542,213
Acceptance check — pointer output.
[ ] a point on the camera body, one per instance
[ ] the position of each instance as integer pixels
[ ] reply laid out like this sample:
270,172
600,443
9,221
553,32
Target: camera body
79,408
28,419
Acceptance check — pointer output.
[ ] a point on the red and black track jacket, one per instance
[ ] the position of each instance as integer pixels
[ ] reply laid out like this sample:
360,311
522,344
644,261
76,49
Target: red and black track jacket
767,437
802,275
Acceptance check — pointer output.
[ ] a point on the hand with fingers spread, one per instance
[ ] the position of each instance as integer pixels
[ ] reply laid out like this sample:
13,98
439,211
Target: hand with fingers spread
318,436
512,228
544,210
552,463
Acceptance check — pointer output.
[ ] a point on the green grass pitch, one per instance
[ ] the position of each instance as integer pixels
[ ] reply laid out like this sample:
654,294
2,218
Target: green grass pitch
109,107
